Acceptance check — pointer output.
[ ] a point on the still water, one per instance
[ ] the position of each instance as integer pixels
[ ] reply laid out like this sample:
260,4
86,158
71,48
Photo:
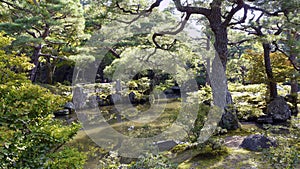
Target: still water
98,135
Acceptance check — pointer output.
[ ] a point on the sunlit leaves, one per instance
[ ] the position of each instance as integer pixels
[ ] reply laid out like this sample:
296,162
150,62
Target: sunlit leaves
282,68
28,133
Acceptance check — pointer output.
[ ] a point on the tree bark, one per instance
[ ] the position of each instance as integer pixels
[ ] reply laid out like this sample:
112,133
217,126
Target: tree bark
221,39
271,81
294,95
49,70
229,119
207,60
35,57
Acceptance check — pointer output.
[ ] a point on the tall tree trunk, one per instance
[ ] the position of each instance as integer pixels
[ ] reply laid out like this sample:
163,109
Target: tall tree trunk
49,70
229,118
35,57
271,81
221,38
294,95
207,60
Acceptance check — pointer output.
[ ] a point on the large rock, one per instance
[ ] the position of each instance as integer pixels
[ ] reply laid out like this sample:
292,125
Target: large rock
79,98
279,110
229,120
132,97
165,145
256,142
92,102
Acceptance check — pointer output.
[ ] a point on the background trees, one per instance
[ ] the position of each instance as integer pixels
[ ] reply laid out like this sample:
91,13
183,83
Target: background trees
48,31
257,42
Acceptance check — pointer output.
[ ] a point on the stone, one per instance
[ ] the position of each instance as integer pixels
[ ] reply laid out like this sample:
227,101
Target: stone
132,97
256,142
79,98
229,121
234,141
265,119
279,110
118,86
92,102
116,98
166,145
70,106
62,112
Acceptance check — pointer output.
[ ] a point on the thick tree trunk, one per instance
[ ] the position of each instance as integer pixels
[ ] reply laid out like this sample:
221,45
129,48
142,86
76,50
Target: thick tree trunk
35,57
271,81
294,95
207,60
229,118
221,38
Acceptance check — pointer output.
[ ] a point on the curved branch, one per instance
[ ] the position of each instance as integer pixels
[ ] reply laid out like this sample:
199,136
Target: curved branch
191,10
182,26
244,17
265,11
240,5
138,11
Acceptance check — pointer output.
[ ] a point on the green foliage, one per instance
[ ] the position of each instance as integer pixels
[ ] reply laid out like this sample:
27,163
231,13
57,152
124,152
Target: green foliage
153,161
283,156
250,100
110,161
48,31
204,98
140,86
281,66
12,63
66,158
199,122
212,147
29,134
286,155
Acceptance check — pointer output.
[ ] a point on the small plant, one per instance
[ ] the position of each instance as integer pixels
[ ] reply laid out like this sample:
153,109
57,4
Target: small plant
150,161
287,154
284,156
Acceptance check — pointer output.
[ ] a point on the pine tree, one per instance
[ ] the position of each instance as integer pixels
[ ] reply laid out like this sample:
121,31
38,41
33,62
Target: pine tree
46,30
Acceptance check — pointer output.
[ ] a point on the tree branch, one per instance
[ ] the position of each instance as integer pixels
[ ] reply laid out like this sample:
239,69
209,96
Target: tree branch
291,58
240,5
182,25
265,11
15,6
31,33
54,57
244,17
191,10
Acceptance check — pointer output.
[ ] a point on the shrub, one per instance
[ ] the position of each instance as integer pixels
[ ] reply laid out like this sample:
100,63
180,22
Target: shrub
30,137
153,161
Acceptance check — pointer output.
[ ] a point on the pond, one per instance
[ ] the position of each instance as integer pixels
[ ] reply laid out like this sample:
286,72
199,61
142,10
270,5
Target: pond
139,121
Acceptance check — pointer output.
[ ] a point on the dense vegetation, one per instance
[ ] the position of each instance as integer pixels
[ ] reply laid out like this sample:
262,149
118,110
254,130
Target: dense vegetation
148,52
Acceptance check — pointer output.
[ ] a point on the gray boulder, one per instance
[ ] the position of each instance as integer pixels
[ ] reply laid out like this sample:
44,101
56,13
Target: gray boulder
229,120
62,112
256,142
70,106
165,145
132,97
79,98
92,102
278,109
